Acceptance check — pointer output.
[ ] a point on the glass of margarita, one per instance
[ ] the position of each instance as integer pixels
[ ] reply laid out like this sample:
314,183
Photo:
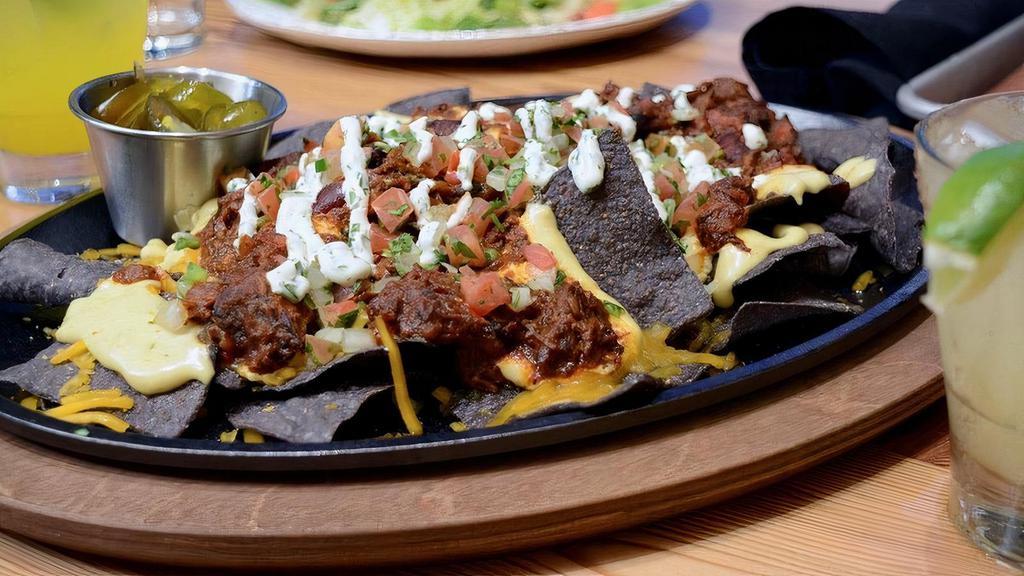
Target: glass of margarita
971,175
46,49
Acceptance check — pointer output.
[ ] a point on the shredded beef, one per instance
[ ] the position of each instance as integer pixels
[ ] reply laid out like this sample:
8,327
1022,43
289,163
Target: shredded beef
132,273
509,243
217,249
427,305
567,329
199,300
257,328
726,105
724,211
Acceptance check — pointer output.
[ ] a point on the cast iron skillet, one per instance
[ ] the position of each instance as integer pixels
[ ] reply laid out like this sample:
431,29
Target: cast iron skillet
84,223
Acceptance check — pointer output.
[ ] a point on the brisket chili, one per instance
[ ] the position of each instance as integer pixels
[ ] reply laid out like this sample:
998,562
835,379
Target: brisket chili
559,332
132,273
248,323
723,211
725,105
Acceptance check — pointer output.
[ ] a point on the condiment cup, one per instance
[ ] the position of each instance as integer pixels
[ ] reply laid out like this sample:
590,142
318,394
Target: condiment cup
155,181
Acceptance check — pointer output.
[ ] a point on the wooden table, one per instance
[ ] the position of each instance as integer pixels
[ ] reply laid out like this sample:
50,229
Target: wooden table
877,510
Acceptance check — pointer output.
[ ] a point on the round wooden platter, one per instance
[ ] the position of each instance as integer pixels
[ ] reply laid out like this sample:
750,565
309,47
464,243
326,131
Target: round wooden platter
486,506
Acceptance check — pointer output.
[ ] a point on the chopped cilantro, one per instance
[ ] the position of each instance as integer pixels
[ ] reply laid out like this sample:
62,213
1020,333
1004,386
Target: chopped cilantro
702,199
347,319
320,165
399,211
261,221
559,278
515,179
613,308
398,246
185,240
497,224
491,254
401,137
682,244
265,181
81,431
460,248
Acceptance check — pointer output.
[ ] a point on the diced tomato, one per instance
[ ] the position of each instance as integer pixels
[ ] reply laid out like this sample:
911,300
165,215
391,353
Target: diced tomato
521,195
333,139
597,122
478,218
463,247
613,103
480,169
492,149
675,172
453,161
511,144
330,313
290,175
685,213
269,202
539,256
443,148
393,208
567,108
598,9
483,292
379,238
321,350
573,131
516,129
664,187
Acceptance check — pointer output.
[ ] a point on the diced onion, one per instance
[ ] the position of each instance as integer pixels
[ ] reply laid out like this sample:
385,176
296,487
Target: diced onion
171,315
544,280
358,340
521,297
497,178
379,285
351,340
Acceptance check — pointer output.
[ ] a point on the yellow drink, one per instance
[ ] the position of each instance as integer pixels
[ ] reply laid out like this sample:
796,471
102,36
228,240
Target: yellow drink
48,48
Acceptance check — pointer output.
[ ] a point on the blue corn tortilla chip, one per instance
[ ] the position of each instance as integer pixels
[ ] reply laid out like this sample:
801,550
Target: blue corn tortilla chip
422,103
616,235
165,415
475,409
303,419
33,273
355,365
756,317
821,255
888,202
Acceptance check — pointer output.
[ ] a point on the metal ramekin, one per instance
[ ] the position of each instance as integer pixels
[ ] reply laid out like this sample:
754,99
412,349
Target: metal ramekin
154,180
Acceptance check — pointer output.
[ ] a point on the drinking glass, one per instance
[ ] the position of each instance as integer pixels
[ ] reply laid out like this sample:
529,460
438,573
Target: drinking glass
981,333
47,48
175,27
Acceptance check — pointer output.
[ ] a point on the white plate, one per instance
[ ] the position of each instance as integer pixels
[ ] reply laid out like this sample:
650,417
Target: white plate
281,21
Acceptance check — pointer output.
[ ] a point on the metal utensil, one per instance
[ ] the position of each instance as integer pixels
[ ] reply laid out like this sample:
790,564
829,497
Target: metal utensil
155,181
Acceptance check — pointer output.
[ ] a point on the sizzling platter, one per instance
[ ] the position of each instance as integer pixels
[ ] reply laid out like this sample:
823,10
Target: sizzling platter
567,223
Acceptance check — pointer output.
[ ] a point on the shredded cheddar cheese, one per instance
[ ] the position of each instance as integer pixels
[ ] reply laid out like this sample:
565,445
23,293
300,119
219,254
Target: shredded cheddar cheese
116,402
405,405
102,418
250,436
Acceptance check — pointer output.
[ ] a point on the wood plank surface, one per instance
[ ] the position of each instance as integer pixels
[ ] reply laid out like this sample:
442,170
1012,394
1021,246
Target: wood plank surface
877,510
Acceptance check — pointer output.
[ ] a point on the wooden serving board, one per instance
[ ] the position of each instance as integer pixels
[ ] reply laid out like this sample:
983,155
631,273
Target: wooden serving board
491,505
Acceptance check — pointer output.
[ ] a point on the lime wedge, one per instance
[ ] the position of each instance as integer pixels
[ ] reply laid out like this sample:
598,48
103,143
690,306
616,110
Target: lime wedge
974,224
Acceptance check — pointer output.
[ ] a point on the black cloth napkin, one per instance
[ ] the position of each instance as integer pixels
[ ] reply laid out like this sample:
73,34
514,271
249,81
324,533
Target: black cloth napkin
854,62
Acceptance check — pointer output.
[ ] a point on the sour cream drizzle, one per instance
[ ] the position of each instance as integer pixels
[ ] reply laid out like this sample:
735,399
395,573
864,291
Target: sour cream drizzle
586,164
538,170
424,139
309,258
645,164
467,129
